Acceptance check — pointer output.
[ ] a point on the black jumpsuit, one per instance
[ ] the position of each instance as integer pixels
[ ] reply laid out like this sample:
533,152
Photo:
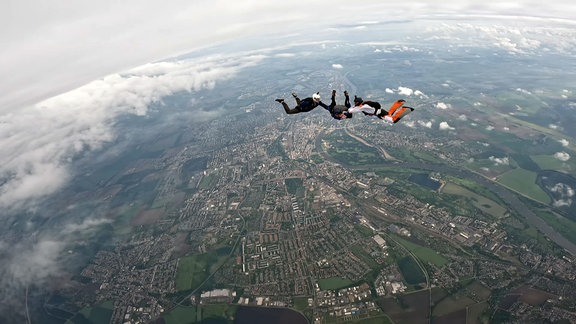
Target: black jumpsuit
336,110
304,105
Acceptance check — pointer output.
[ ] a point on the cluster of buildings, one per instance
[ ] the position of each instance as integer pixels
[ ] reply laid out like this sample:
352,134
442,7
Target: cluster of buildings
284,243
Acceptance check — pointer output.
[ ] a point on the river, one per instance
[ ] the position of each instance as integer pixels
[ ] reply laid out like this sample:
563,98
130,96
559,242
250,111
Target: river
507,195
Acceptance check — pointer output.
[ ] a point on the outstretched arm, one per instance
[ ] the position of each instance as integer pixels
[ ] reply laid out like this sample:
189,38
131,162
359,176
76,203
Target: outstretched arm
323,105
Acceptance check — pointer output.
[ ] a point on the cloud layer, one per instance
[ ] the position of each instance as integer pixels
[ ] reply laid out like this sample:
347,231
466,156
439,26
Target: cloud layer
37,143
51,47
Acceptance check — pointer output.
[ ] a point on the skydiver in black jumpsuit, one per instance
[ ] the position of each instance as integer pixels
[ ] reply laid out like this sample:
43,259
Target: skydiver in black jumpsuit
304,105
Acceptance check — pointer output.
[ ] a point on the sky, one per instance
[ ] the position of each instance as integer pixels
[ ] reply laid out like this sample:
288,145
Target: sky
49,47
64,65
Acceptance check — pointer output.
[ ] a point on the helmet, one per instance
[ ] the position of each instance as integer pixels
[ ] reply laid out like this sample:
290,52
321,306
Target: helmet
316,97
358,100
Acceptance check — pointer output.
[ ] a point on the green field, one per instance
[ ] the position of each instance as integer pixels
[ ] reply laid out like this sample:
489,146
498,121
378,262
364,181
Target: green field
295,186
181,315
301,303
334,283
465,298
549,162
484,204
210,313
476,313
365,231
524,182
208,181
350,151
476,188
478,290
424,254
217,311
193,270
99,314
452,304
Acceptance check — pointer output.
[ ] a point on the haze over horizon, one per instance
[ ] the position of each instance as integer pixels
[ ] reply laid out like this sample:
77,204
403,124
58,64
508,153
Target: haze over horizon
51,48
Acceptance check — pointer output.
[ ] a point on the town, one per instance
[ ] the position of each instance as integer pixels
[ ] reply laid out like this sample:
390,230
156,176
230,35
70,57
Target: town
281,217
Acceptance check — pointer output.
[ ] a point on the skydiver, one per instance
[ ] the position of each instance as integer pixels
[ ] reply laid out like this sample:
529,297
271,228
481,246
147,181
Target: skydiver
304,105
343,111
339,111
375,105
396,112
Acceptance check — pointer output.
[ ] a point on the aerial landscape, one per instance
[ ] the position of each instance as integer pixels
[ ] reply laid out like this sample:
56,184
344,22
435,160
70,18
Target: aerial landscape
179,191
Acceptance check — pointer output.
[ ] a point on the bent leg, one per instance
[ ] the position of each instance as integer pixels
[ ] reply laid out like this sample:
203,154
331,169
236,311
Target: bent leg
292,111
401,113
395,106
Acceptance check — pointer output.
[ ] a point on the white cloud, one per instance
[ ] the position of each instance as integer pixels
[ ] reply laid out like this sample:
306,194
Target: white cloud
563,189
489,127
420,94
37,142
337,66
463,117
518,39
445,126
34,263
564,142
87,224
524,91
562,156
40,257
405,91
499,161
564,195
427,124
442,105
410,124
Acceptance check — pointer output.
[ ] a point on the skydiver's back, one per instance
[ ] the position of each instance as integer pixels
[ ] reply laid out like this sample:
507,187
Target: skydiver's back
307,104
